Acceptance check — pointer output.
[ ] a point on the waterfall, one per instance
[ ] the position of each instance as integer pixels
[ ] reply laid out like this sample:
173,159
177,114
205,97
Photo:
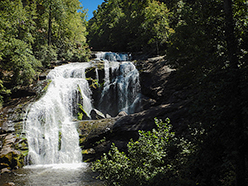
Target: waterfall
122,87
111,56
51,134
50,128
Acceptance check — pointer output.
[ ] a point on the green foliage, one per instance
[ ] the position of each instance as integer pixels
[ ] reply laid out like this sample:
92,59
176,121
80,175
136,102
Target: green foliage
81,113
16,39
143,26
46,54
157,158
209,51
93,83
3,91
34,33
59,142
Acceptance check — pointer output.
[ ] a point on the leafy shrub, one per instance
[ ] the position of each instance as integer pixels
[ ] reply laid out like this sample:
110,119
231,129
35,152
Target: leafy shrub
3,91
157,158
20,62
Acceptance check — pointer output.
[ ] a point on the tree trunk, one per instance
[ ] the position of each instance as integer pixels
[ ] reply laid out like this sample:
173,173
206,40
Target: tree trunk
49,26
236,97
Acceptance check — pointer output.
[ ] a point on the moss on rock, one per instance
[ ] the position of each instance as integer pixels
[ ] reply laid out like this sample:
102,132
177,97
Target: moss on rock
13,151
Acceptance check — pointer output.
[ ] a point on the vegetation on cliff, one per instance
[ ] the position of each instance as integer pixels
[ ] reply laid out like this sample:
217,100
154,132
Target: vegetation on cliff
130,26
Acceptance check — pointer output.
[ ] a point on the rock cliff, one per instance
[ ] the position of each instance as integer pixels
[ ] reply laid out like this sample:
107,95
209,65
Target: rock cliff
162,97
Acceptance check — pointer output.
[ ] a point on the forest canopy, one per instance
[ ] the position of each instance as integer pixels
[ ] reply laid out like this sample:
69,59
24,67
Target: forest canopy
35,32
131,26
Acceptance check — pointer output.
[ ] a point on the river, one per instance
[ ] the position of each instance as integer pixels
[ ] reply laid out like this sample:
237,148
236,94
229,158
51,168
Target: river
52,175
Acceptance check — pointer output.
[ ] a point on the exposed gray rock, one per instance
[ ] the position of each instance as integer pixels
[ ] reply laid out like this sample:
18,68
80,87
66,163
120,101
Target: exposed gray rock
122,113
5,170
108,116
96,114
93,133
162,99
8,127
11,157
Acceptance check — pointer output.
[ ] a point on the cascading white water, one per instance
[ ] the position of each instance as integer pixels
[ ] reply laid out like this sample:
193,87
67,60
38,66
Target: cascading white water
51,134
128,86
122,90
111,56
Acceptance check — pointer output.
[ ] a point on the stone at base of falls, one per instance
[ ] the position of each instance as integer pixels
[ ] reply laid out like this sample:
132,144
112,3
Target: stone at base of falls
97,136
96,114
5,170
122,113
7,127
92,133
12,152
108,116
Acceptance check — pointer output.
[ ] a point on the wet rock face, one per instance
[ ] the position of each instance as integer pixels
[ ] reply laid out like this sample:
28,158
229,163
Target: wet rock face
96,86
96,114
13,149
154,75
94,136
12,152
161,99
13,144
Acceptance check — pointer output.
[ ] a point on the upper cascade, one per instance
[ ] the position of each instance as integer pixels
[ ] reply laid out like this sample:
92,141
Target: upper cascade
112,56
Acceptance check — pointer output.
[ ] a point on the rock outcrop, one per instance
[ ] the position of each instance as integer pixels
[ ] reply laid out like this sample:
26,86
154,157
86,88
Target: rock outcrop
13,144
162,98
93,134
12,153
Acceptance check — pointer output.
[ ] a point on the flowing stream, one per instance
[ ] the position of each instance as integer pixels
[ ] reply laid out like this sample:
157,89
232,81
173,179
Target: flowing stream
54,154
51,133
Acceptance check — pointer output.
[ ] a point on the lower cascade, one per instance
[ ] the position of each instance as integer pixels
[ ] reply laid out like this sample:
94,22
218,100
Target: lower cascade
50,125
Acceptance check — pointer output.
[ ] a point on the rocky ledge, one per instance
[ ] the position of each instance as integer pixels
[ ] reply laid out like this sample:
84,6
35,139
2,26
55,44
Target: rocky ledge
162,98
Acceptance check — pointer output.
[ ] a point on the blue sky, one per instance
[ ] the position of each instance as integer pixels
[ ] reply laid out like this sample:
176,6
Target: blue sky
91,5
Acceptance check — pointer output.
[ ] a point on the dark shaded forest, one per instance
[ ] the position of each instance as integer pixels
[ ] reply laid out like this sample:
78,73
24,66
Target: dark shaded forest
206,41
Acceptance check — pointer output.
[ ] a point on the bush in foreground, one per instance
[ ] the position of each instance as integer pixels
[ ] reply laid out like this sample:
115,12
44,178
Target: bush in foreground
157,158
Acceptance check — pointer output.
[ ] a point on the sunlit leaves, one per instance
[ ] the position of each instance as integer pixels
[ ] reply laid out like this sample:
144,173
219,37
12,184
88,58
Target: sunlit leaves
17,26
25,29
157,158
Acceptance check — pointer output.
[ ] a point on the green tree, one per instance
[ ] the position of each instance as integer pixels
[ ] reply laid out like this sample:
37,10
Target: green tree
38,31
208,50
129,26
16,42
159,157
71,33
61,31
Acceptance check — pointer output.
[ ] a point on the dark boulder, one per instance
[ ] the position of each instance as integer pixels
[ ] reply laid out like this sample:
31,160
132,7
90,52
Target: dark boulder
122,113
162,98
96,114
